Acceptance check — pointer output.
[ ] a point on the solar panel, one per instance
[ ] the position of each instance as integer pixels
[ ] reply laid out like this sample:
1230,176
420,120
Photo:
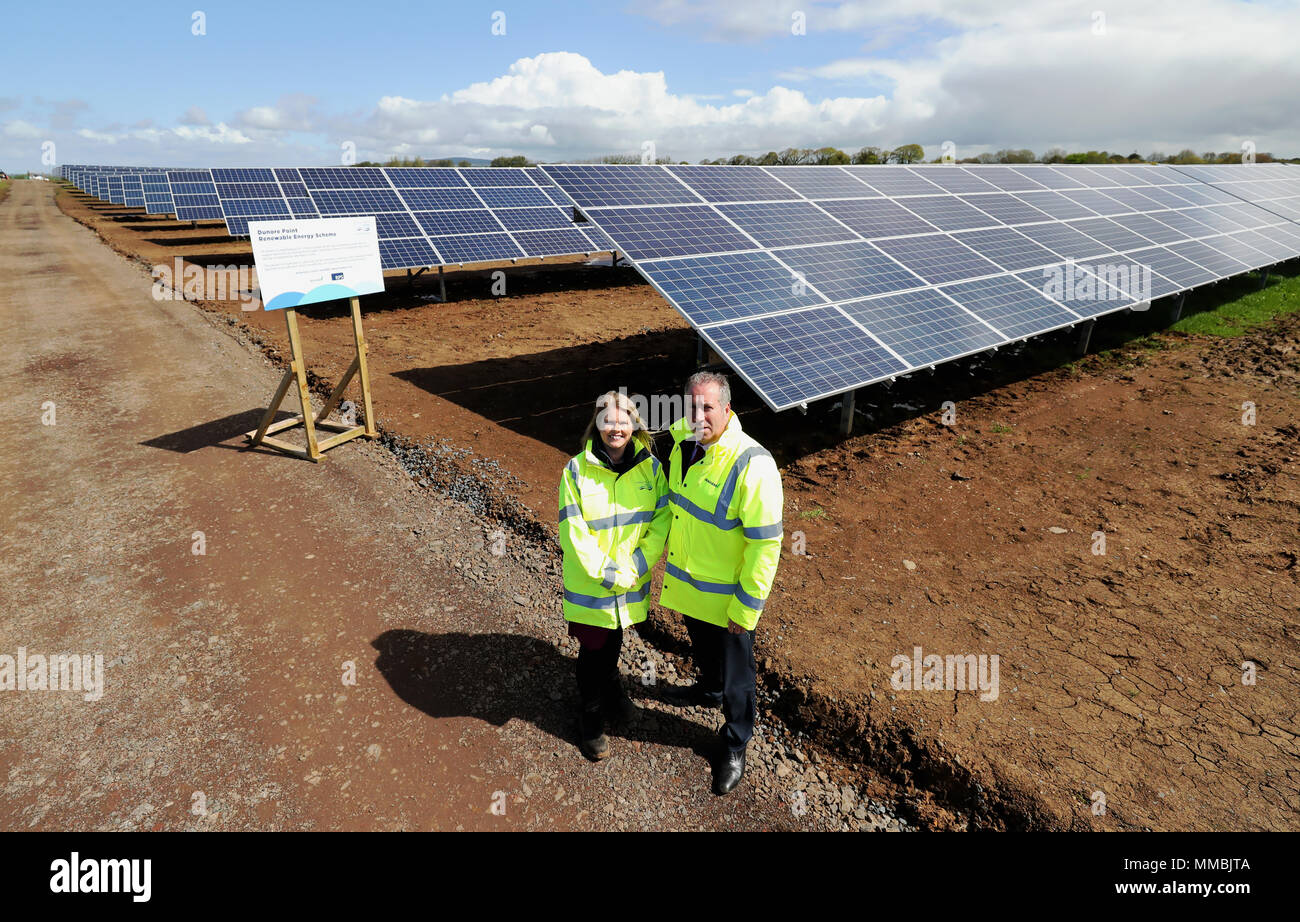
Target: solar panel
195,195
818,352
647,233
708,289
1012,306
924,327
878,217
938,258
844,271
785,223
947,212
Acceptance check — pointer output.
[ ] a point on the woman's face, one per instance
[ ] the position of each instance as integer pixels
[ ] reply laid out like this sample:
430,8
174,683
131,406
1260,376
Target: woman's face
615,428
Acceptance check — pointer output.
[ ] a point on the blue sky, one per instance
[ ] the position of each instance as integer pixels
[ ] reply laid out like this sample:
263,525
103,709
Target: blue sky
276,85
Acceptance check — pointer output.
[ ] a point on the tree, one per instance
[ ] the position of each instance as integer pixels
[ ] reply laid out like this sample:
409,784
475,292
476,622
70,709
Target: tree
768,159
870,155
830,156
1015,156
794,155
1187,155
741,160
511,161
1055,155
908,153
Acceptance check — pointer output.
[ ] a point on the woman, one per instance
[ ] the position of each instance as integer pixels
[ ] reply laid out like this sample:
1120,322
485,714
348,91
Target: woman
613,524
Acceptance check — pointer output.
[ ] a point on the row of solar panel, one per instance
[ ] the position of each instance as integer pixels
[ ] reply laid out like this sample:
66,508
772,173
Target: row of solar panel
425,216
903,284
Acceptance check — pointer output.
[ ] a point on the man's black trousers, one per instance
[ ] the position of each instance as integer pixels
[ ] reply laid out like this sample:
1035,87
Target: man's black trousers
727,676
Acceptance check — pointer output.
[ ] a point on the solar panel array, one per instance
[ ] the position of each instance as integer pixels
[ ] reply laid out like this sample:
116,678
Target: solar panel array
426,216
812,281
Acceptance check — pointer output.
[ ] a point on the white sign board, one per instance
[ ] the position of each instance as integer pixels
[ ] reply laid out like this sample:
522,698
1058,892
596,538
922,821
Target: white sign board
315,259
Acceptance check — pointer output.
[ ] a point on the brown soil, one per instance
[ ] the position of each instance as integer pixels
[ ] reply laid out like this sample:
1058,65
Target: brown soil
1121,674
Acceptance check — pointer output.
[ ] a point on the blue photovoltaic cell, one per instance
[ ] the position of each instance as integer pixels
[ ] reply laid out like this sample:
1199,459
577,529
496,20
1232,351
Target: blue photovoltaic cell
1166,197
707,289
820,182
537,176
778,224
1051,178
646,233
243,176
303,208
440,199
599,239
796,357
1055,205
287,175
841,271
1219,263
1110,233
1274,249
1215,220
922,326
877,217
132,190
1240,251
248,208
396,225
346,177
554,242
406,253
947,212
1183,273
194,195
893,180
477,248
356,201
508,197
1099,202
293,189
1082,289
732,183
526,219
1013,306
424,177
1008,248
1007,179
938,258
1149,227
1253,216
439,223
1133,198
1006,208
248,189
954,179
558,197
482,177
595,186
1184,223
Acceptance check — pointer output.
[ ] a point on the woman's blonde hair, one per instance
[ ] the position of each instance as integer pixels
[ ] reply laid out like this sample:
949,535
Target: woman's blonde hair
623,402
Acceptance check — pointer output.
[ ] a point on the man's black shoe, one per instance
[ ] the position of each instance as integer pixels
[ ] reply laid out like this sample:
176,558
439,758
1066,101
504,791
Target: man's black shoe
726,774
690,696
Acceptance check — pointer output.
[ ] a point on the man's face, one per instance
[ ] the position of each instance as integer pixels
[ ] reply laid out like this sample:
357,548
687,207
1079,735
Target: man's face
709,414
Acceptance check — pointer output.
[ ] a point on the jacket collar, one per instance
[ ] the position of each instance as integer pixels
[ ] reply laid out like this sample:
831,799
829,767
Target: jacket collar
681,431
601,458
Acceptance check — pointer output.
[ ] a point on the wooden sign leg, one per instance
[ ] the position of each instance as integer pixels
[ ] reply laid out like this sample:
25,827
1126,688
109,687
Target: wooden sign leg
362,348
298,366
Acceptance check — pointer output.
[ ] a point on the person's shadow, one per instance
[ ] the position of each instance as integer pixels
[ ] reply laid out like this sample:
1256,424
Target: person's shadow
497,677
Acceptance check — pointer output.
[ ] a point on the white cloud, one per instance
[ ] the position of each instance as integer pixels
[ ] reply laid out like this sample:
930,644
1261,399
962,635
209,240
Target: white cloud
20,129
195,116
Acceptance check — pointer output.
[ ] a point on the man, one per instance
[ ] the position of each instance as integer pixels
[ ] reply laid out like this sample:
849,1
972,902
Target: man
724,543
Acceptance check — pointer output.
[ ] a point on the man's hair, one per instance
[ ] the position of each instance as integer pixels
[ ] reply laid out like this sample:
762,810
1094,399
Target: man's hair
710,377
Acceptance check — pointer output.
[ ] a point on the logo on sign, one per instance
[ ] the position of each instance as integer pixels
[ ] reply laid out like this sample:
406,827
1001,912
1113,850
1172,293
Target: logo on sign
336,276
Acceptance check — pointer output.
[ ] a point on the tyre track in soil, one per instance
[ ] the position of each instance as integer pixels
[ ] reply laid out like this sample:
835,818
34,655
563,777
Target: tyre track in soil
223,684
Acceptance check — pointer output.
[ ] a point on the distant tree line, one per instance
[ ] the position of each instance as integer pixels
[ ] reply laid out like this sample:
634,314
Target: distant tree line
914,153
908,153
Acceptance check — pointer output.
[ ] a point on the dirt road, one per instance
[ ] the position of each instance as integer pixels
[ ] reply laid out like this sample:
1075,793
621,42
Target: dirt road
225,703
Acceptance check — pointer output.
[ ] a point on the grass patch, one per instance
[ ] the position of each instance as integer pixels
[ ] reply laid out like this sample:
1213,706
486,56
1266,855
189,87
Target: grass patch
815,513
1245,304
1001,429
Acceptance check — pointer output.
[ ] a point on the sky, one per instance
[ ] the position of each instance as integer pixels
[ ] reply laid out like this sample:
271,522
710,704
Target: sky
269,84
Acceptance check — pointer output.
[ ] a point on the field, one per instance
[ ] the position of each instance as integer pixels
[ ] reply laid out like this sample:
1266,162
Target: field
1121,673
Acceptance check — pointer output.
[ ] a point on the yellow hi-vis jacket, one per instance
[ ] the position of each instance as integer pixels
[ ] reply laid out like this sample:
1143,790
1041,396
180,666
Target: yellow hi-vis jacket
612,530
725,540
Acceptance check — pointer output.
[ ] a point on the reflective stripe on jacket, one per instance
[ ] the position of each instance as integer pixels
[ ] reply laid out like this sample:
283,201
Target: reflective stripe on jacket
725,540
612,529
